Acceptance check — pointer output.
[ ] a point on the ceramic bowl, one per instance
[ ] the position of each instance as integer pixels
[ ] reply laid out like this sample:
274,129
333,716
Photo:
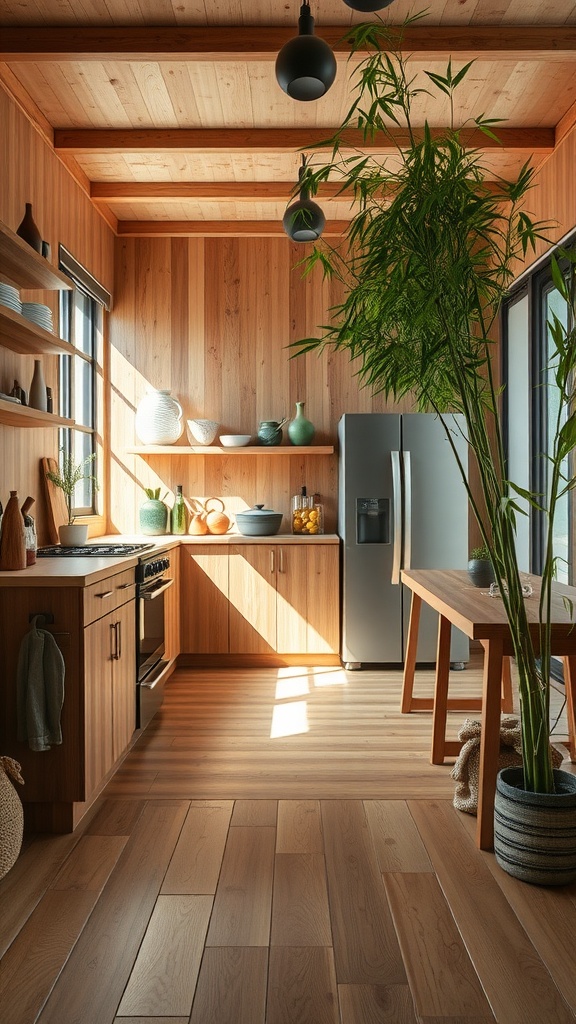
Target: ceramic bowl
235,440
201,431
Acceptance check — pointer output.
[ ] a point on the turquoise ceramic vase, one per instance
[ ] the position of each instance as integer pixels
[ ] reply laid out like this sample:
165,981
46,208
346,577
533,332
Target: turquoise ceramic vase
153,517
300,430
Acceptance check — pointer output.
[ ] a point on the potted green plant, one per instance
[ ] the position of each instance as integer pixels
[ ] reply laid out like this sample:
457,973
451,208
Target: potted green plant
66,478
480,568
425,264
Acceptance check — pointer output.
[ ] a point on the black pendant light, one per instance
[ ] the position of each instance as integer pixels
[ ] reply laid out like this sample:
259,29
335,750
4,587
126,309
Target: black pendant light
368,5
303,220
305,66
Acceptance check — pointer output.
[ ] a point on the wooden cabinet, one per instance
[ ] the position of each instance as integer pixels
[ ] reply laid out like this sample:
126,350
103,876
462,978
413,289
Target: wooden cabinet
96,635
260,599
284,599
204,599
110,691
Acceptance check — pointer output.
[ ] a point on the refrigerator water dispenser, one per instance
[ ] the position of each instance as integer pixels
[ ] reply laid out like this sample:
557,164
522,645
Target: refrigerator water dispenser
372,520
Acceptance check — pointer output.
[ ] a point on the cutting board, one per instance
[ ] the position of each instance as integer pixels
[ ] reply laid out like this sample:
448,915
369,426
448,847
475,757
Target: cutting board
55,501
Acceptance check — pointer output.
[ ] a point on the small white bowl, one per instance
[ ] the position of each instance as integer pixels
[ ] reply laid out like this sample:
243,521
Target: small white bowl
235,440
201,431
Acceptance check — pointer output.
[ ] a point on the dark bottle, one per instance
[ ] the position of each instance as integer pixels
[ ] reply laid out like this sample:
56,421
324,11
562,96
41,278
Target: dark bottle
28,230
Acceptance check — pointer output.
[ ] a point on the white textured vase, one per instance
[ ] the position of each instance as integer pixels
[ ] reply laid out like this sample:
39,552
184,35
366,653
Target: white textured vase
159,418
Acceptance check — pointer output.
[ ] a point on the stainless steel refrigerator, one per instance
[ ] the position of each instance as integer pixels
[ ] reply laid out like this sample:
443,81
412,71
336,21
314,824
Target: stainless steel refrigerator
402,504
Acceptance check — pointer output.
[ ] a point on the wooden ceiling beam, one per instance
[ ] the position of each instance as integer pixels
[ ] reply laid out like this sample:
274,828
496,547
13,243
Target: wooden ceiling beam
279,140
207,191
216,228
253,43
102,192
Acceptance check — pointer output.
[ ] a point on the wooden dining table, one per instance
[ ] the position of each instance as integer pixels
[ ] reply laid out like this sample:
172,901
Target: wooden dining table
483,618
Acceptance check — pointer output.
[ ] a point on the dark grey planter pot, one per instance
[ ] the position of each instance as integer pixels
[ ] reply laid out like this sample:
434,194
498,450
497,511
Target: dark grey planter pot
535,833
481,572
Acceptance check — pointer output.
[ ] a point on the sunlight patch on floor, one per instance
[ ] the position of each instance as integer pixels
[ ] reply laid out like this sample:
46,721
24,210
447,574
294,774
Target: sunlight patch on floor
289,719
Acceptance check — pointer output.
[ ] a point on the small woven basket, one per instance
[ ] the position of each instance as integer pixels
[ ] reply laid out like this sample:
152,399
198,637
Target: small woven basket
11,815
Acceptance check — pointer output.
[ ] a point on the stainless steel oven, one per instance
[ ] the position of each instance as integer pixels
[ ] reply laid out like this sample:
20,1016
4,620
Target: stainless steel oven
151,586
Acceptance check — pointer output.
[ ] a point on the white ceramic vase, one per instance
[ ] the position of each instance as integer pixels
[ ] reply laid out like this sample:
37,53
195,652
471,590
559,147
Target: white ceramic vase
159,418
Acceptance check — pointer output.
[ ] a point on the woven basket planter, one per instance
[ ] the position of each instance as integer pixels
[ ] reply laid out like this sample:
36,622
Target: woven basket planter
11,815
535,833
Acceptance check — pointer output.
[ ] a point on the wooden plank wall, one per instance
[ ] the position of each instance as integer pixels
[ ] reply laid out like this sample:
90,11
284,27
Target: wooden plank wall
30,172
212,320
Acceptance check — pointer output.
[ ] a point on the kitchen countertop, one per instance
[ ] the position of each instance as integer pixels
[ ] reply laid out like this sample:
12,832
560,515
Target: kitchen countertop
80,572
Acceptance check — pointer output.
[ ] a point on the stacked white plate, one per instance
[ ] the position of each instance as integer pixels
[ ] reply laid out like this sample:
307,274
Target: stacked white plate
10,297
39,314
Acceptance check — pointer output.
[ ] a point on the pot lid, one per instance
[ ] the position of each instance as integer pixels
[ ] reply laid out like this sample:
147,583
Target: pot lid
257,512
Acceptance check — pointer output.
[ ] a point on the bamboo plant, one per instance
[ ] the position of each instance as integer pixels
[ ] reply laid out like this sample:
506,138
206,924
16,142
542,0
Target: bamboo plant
425,264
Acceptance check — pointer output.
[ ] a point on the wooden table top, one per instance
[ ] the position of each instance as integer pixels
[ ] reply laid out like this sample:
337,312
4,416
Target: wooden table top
481,617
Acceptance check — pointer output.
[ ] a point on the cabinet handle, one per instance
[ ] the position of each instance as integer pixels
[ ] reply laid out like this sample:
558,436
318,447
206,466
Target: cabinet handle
113,642
118,641
272,560
281,560
106,593
125,586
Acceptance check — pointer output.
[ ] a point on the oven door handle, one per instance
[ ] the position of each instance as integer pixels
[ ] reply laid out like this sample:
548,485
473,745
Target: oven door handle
155,591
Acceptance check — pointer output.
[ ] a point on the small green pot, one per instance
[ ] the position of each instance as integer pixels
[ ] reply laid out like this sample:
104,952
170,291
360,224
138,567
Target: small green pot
153,517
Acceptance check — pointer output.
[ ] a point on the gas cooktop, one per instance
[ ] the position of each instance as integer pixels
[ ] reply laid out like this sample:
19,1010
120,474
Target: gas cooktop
92,550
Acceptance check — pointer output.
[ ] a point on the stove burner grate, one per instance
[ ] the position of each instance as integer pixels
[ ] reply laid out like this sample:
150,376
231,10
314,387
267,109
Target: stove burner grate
92,550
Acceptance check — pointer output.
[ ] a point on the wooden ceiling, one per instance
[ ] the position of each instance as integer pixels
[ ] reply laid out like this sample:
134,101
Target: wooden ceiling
169,114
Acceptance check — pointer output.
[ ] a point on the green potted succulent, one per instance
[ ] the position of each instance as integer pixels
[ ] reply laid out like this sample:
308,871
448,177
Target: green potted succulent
66,478
425,264
480,569
153,513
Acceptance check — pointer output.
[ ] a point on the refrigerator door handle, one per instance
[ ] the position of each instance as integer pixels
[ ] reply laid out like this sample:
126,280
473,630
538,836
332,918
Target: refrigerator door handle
407,562
397,502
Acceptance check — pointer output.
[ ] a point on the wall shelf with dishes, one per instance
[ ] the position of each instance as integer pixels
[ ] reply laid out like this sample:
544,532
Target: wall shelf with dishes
22,267
12,414
259,450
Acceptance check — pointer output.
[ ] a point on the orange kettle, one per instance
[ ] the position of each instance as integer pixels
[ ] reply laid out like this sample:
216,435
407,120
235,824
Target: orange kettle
216,519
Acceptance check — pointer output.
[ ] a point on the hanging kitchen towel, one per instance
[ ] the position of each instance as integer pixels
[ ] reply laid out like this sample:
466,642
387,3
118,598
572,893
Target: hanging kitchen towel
40,689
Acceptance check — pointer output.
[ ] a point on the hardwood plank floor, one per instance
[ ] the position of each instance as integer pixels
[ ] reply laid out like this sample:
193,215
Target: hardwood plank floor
277,849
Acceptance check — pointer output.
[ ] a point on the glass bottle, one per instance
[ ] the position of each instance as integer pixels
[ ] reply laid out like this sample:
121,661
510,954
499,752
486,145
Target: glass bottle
29,531
301,507
178,515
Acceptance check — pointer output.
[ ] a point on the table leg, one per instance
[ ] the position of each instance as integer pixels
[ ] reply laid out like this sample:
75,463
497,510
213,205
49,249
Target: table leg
490,742
441,691
410,659
570,687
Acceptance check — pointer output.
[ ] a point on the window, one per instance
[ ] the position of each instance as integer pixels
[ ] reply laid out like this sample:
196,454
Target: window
80,377
530,410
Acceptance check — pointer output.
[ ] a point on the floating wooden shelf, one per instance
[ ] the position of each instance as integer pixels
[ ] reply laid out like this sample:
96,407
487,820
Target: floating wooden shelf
261,450
14,415
22,267
28,339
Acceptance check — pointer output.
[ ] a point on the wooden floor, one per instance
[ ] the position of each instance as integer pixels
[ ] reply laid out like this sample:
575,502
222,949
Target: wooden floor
276,849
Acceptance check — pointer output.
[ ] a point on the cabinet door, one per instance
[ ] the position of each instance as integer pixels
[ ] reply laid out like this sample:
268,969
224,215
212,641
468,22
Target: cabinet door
99,646
252,582
172,607
291,602
204,599
123,678
323,599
